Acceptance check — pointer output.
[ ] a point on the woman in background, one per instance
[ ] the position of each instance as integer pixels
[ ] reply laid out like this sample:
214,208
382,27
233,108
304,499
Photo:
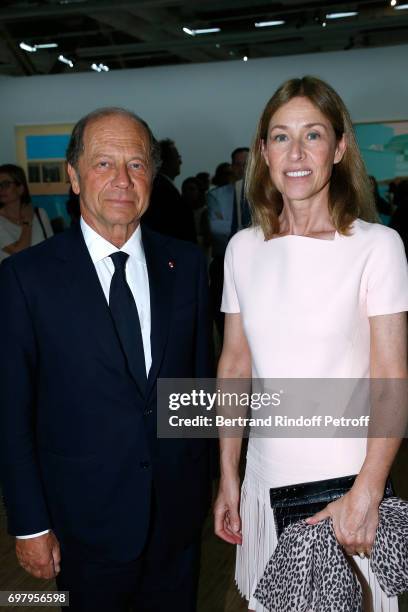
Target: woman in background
315,289
21,225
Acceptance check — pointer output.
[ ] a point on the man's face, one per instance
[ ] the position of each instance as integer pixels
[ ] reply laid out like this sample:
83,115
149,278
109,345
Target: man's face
114,174
238,164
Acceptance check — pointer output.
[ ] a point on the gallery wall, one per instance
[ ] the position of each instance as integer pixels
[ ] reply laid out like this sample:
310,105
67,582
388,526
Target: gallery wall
208,109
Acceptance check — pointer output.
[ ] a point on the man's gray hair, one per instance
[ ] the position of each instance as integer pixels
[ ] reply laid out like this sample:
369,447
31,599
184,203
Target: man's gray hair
76,143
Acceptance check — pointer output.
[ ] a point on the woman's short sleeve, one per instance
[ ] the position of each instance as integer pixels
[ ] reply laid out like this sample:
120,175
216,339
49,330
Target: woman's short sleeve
5,240
387,282
230,303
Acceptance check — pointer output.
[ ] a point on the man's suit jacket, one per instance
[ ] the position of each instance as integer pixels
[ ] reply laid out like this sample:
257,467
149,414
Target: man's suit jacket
168,213
78,446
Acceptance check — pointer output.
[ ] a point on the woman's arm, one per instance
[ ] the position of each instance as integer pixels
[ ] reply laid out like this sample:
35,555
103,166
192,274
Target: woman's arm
355,515
388,354
24,241
235,362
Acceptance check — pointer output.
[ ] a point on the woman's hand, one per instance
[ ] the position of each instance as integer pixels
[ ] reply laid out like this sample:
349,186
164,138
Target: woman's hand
354,517
227,522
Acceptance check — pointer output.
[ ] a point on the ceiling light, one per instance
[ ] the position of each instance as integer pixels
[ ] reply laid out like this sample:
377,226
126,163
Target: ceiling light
207,30
191,32
99,67
33,48
265,24
401,7
28,48
341,15
46,46
66,61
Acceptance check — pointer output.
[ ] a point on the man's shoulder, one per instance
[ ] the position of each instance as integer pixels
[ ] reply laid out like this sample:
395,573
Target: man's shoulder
221,193
181,248
162,184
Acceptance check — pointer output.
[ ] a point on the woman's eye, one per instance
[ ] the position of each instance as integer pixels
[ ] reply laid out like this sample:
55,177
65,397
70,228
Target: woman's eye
313,135
280,138
103,164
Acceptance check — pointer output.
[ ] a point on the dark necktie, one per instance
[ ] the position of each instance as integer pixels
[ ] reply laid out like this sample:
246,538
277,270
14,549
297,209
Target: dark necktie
245,214
126,318
234,223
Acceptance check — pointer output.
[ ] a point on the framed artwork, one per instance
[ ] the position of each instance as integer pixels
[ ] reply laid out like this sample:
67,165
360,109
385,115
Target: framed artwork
41,152
384,146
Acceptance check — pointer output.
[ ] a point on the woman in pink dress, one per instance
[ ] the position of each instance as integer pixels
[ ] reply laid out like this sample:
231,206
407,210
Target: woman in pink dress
314,289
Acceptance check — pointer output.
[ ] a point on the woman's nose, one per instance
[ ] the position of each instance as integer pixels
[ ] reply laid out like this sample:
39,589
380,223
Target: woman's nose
296,150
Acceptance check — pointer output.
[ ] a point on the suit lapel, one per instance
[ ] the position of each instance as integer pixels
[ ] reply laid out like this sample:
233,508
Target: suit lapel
80,278
85,298
161,271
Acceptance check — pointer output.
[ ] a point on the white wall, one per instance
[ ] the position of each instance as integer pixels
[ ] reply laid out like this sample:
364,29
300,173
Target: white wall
209,109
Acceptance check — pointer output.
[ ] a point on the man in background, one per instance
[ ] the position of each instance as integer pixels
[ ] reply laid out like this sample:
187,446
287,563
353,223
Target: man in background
168,213
228,212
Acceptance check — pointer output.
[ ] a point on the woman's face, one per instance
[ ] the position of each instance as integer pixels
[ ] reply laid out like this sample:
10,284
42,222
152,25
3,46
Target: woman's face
10,191
300,150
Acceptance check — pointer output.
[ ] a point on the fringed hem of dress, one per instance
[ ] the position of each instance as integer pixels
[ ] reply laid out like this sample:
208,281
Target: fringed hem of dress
259,541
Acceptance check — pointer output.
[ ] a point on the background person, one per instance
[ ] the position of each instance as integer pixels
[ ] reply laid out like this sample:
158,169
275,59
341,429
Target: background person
21,225
314,289
194,198
227,213
168,213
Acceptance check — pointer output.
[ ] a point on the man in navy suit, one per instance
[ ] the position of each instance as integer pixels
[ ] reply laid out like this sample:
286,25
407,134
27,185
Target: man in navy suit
91,319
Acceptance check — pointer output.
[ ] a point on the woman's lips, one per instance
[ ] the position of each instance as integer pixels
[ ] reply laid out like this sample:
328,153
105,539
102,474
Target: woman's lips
298,173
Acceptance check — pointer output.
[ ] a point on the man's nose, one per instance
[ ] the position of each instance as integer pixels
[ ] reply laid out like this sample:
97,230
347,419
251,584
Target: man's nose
122,178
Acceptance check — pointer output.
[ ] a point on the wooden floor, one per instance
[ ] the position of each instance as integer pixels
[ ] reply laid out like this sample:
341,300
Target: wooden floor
217,592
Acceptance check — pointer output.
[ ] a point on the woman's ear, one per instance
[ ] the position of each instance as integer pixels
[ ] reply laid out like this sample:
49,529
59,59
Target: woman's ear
340,149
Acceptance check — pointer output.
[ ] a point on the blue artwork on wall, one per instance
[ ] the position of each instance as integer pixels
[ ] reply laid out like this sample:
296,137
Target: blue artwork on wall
47,146
384,147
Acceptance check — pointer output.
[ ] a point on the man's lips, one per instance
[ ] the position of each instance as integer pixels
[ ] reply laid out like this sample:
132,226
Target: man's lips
119,201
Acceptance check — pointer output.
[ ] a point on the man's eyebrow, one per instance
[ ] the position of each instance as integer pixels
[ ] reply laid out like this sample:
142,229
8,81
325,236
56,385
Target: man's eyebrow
139,156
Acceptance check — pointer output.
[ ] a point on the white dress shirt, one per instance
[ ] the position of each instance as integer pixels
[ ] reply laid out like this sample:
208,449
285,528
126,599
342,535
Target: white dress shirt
136,276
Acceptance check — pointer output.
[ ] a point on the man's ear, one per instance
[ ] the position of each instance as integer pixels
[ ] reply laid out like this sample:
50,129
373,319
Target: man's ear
74,178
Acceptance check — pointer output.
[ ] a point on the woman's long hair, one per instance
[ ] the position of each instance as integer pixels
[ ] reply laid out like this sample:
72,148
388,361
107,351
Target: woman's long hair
350,194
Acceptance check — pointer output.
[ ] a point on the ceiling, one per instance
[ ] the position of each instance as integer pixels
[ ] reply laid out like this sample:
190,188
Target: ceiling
140,33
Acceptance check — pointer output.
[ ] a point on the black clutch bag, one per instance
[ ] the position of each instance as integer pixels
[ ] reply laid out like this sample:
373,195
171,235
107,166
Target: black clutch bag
296,502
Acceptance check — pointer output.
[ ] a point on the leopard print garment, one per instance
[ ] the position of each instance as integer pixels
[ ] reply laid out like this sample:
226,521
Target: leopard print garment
310,573
389,557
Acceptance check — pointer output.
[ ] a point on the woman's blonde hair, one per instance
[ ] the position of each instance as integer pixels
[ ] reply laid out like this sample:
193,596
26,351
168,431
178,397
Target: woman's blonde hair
350,194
